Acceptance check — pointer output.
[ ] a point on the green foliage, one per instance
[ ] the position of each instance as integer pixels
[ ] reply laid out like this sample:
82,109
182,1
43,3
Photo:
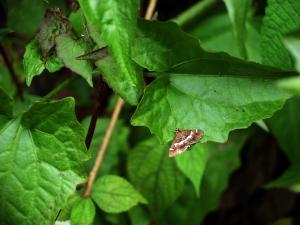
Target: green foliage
83,212
46,144
229,68
114,194
117,21
159,178
277,22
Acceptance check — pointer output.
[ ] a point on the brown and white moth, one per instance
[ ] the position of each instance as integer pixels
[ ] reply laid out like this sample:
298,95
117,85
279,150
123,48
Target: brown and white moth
183,140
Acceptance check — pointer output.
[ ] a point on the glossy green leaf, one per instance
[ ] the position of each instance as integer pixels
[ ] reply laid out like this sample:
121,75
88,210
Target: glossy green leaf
237,11
155,175
42,153
281,17
114,194
83,212
117,144
116,21
68,49
156,48
215,105
192,164
33,64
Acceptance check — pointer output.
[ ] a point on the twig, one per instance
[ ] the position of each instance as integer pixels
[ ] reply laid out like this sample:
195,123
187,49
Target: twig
102,90
103,148
112,123
59,88
12,73
150,9
188,15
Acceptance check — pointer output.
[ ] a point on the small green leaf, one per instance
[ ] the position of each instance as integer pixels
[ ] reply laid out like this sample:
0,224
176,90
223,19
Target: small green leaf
83,212
54,63
192,164
215,105
68,49
114,194
33,64
237,11
116,21
281,17
42,152
66,210
155,175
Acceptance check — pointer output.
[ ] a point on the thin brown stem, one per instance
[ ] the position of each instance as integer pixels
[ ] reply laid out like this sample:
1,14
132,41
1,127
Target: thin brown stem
150,9
12,73
103,148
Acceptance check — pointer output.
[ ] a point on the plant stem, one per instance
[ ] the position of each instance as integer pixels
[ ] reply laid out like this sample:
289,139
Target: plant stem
59,88
103,148
188,15
12,73
102,93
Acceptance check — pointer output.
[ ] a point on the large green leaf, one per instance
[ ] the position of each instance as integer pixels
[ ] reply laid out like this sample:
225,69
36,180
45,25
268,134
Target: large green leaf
156,48
83,212
114,194
116,20
281,17
155,175
41,154
68,49
192,164
237,11
215,105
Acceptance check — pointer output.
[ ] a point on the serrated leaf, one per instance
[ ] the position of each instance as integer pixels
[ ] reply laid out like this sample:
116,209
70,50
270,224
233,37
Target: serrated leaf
114,194
281,17
117,144
116,21
33,64
68,49
42,153
155,175
237,11
83,212
156,48
215,105
192,164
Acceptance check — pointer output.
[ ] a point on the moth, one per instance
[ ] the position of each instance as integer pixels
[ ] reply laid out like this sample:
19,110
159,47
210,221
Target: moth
183,140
